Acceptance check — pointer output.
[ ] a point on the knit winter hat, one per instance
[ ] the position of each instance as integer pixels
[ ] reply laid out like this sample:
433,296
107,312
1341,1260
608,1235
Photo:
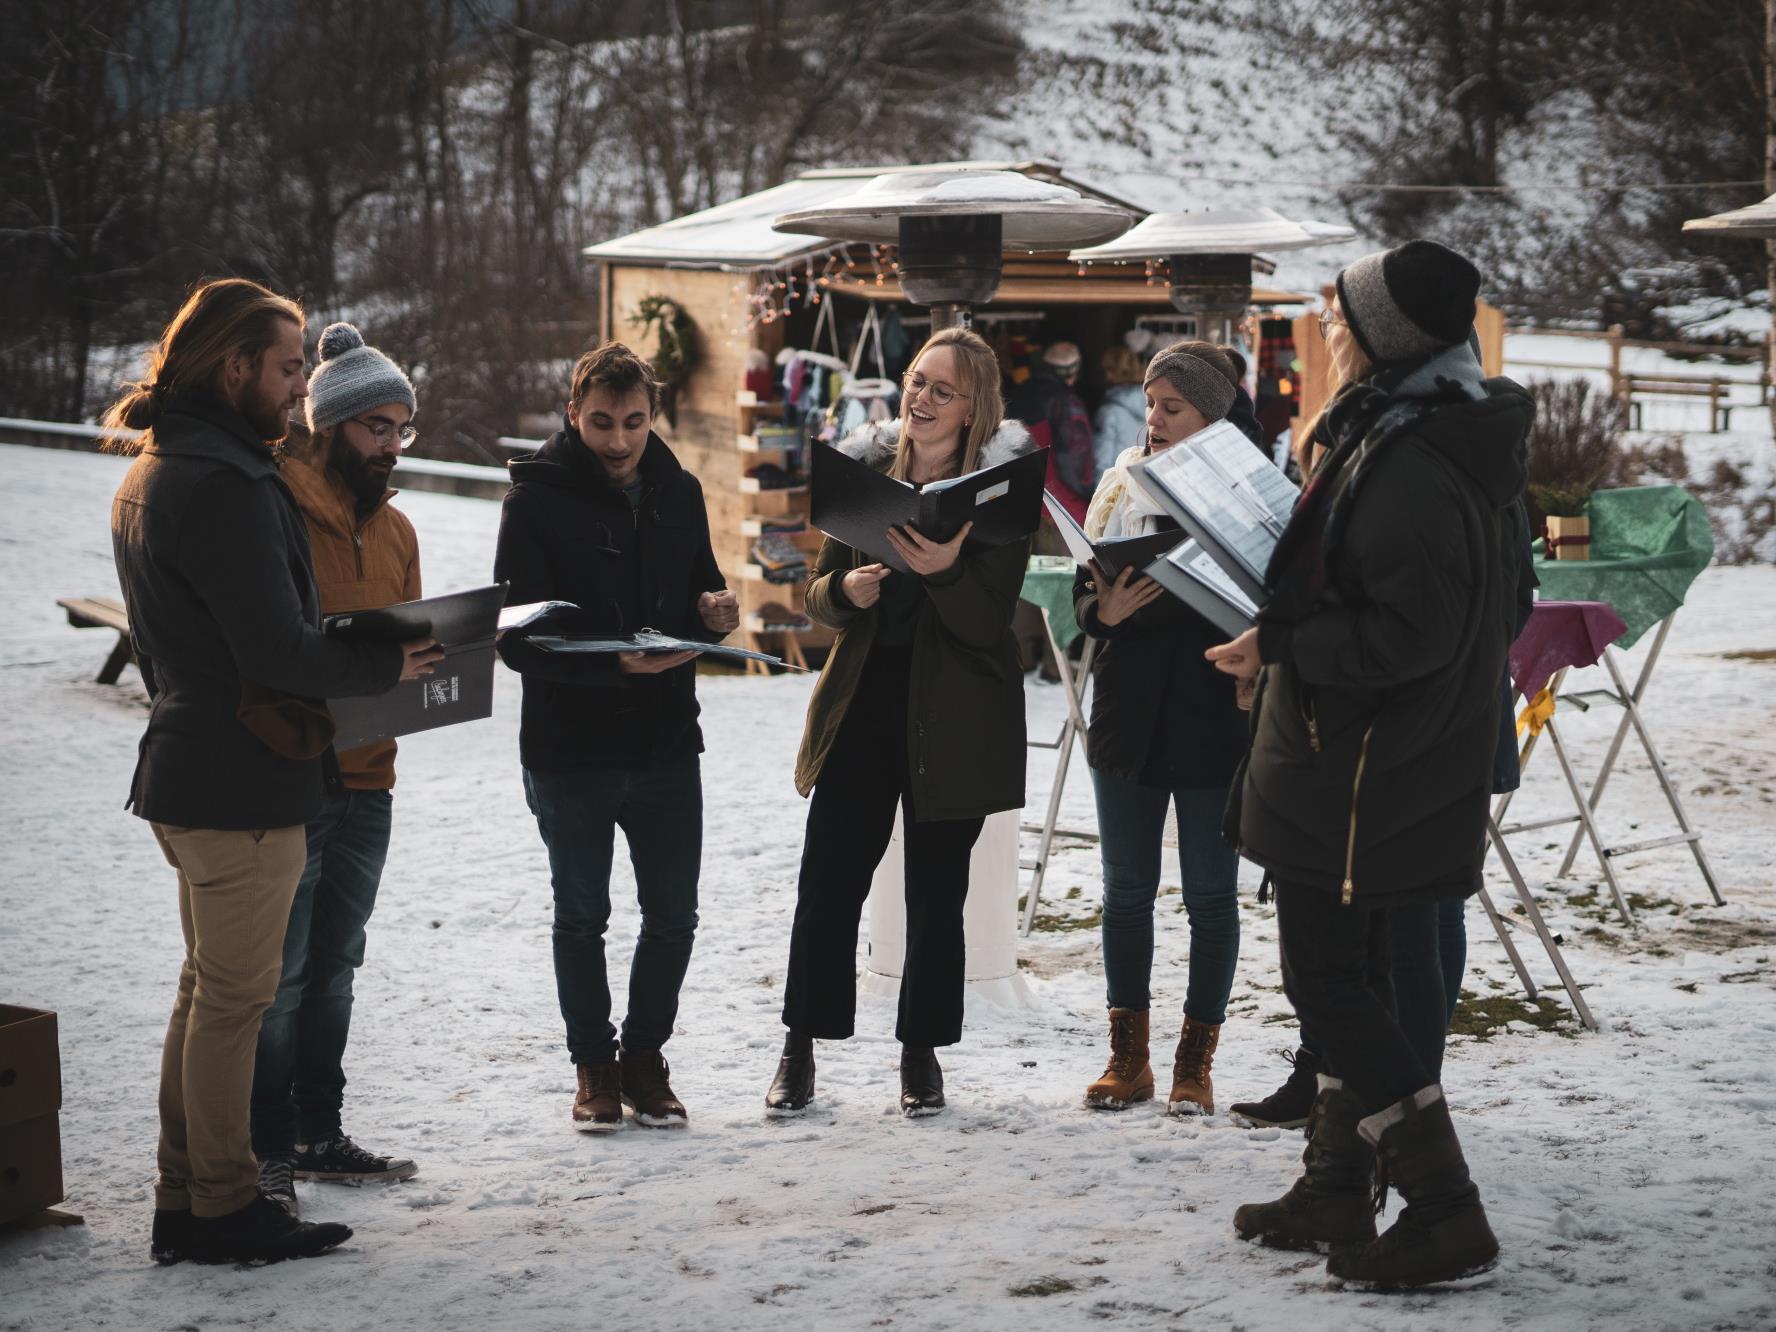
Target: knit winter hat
352,378
1203,385
1410,301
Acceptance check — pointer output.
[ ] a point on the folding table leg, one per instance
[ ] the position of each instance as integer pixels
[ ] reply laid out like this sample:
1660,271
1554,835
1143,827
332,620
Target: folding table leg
1498,925
1692,837
1590,824
1631,718
1615,747
1073,726
1534,913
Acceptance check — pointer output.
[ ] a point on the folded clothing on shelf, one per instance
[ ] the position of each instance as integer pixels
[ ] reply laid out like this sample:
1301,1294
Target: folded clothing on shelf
781,559
775,615
771,477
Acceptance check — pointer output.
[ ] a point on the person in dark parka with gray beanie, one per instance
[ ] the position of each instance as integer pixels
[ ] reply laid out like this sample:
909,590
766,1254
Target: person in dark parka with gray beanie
1392,598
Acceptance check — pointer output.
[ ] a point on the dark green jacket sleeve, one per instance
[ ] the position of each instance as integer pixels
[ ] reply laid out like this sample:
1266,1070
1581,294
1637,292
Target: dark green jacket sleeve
823,597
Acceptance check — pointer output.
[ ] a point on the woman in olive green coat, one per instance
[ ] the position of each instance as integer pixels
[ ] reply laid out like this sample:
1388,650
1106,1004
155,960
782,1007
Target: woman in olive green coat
920,707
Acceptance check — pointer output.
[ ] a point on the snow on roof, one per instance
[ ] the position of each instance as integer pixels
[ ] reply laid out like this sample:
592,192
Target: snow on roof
738,234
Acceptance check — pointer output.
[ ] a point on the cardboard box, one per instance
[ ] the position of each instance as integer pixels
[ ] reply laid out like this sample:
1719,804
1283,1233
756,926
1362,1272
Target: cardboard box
30,1095
30,1065
30,1167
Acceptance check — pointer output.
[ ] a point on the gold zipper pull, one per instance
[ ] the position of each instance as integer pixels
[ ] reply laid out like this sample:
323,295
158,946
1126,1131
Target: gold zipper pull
1344,898
1313,734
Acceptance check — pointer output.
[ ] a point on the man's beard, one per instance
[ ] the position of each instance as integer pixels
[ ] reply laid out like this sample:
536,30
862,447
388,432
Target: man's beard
270,419
366,482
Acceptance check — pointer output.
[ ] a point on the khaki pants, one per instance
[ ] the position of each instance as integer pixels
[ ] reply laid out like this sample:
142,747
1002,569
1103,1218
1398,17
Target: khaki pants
235,890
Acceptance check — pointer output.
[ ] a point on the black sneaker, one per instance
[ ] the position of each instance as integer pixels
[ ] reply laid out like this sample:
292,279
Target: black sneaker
1289,1104
260,1232
277,1181
170,1240
341,1160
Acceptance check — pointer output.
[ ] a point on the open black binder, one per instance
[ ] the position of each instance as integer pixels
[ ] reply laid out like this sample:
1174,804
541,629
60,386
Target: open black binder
1227,495
1111,554
1199,582
854,503
460,687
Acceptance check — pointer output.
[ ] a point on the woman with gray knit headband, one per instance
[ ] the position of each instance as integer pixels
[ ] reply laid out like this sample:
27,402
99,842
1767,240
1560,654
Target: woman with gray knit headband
1378,654
1165,729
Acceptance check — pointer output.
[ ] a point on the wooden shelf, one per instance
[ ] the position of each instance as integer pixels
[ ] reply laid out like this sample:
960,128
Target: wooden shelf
749,485
754,526
753,572
753,444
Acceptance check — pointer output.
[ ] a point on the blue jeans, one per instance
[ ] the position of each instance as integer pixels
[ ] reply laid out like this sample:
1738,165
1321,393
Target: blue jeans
660,811
1131,823
298,1070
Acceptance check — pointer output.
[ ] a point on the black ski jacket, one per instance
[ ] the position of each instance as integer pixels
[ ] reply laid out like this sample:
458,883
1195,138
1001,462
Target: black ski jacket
567,534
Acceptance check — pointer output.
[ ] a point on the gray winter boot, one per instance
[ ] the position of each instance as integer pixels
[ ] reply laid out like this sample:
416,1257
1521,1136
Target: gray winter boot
1442,1235
1332,1203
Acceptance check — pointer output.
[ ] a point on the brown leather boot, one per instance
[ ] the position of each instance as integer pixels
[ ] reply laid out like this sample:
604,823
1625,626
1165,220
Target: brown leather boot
647,1091
1128,1077
1193,1090
597,1105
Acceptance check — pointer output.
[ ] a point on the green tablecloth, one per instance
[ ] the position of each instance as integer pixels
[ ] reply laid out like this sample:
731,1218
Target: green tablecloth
1048,586
1648,543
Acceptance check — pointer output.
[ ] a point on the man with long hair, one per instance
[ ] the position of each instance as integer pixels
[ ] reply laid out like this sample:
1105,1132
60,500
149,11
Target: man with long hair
214,566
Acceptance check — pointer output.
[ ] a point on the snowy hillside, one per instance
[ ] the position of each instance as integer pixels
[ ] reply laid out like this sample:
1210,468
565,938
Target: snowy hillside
1626,1171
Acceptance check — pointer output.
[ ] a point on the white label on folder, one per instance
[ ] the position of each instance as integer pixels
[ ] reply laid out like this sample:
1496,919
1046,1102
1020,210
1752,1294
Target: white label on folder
441,693
992,493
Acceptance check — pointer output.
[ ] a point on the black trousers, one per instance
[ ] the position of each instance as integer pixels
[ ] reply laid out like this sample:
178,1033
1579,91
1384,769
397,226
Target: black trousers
850,823
1377,1025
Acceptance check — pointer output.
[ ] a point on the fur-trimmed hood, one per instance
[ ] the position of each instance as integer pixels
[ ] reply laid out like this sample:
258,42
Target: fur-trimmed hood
874,444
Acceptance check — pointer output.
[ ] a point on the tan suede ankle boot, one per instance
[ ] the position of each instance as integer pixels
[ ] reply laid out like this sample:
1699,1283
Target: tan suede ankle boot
1193,1090
1128,1077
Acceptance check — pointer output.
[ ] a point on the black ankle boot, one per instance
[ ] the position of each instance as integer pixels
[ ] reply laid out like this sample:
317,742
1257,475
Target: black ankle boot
921,1081
793,1088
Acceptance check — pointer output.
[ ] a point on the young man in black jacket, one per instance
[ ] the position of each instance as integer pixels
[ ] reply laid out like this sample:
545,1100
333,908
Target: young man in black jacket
603,517
214,565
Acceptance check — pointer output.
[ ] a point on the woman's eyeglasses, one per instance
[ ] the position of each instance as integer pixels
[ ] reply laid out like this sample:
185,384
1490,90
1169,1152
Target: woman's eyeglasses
382,431
1329,321
942,394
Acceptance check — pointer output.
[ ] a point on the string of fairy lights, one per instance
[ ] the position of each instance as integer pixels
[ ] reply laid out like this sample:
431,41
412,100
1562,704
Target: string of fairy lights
769,295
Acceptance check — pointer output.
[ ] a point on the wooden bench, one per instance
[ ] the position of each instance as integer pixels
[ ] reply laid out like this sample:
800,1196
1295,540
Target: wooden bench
103,613
1717,391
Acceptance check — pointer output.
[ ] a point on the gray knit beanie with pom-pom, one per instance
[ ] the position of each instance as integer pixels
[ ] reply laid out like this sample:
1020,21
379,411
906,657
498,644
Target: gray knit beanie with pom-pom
352,378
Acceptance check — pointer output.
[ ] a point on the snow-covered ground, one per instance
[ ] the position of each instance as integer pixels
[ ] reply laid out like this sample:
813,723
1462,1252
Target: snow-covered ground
1626,1171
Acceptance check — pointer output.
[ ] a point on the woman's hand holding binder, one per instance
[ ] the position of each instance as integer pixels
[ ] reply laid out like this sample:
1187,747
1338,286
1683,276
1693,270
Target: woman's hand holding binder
923,555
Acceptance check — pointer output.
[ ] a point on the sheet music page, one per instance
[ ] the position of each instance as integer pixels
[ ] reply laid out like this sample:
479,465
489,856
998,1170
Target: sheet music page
1192,559
1202,490
1252,476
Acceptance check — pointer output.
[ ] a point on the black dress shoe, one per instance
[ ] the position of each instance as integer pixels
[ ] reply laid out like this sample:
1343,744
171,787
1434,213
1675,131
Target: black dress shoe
793,1088
261,1232
921,1081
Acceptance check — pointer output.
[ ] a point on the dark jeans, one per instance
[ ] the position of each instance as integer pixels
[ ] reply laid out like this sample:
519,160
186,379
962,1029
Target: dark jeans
850,824
1409,975
1377,1025
1131,822
298,1069
660,811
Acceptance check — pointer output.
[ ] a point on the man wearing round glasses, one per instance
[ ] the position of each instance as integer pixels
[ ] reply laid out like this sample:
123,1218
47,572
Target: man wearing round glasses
366,555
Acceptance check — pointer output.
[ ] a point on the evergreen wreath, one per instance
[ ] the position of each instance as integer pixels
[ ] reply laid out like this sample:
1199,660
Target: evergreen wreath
675,354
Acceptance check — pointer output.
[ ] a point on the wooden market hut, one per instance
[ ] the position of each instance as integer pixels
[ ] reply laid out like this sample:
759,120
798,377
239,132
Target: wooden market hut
745,287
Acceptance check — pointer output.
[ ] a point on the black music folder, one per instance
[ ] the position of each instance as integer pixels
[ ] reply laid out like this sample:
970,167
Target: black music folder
460,687
1111,554
854,503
